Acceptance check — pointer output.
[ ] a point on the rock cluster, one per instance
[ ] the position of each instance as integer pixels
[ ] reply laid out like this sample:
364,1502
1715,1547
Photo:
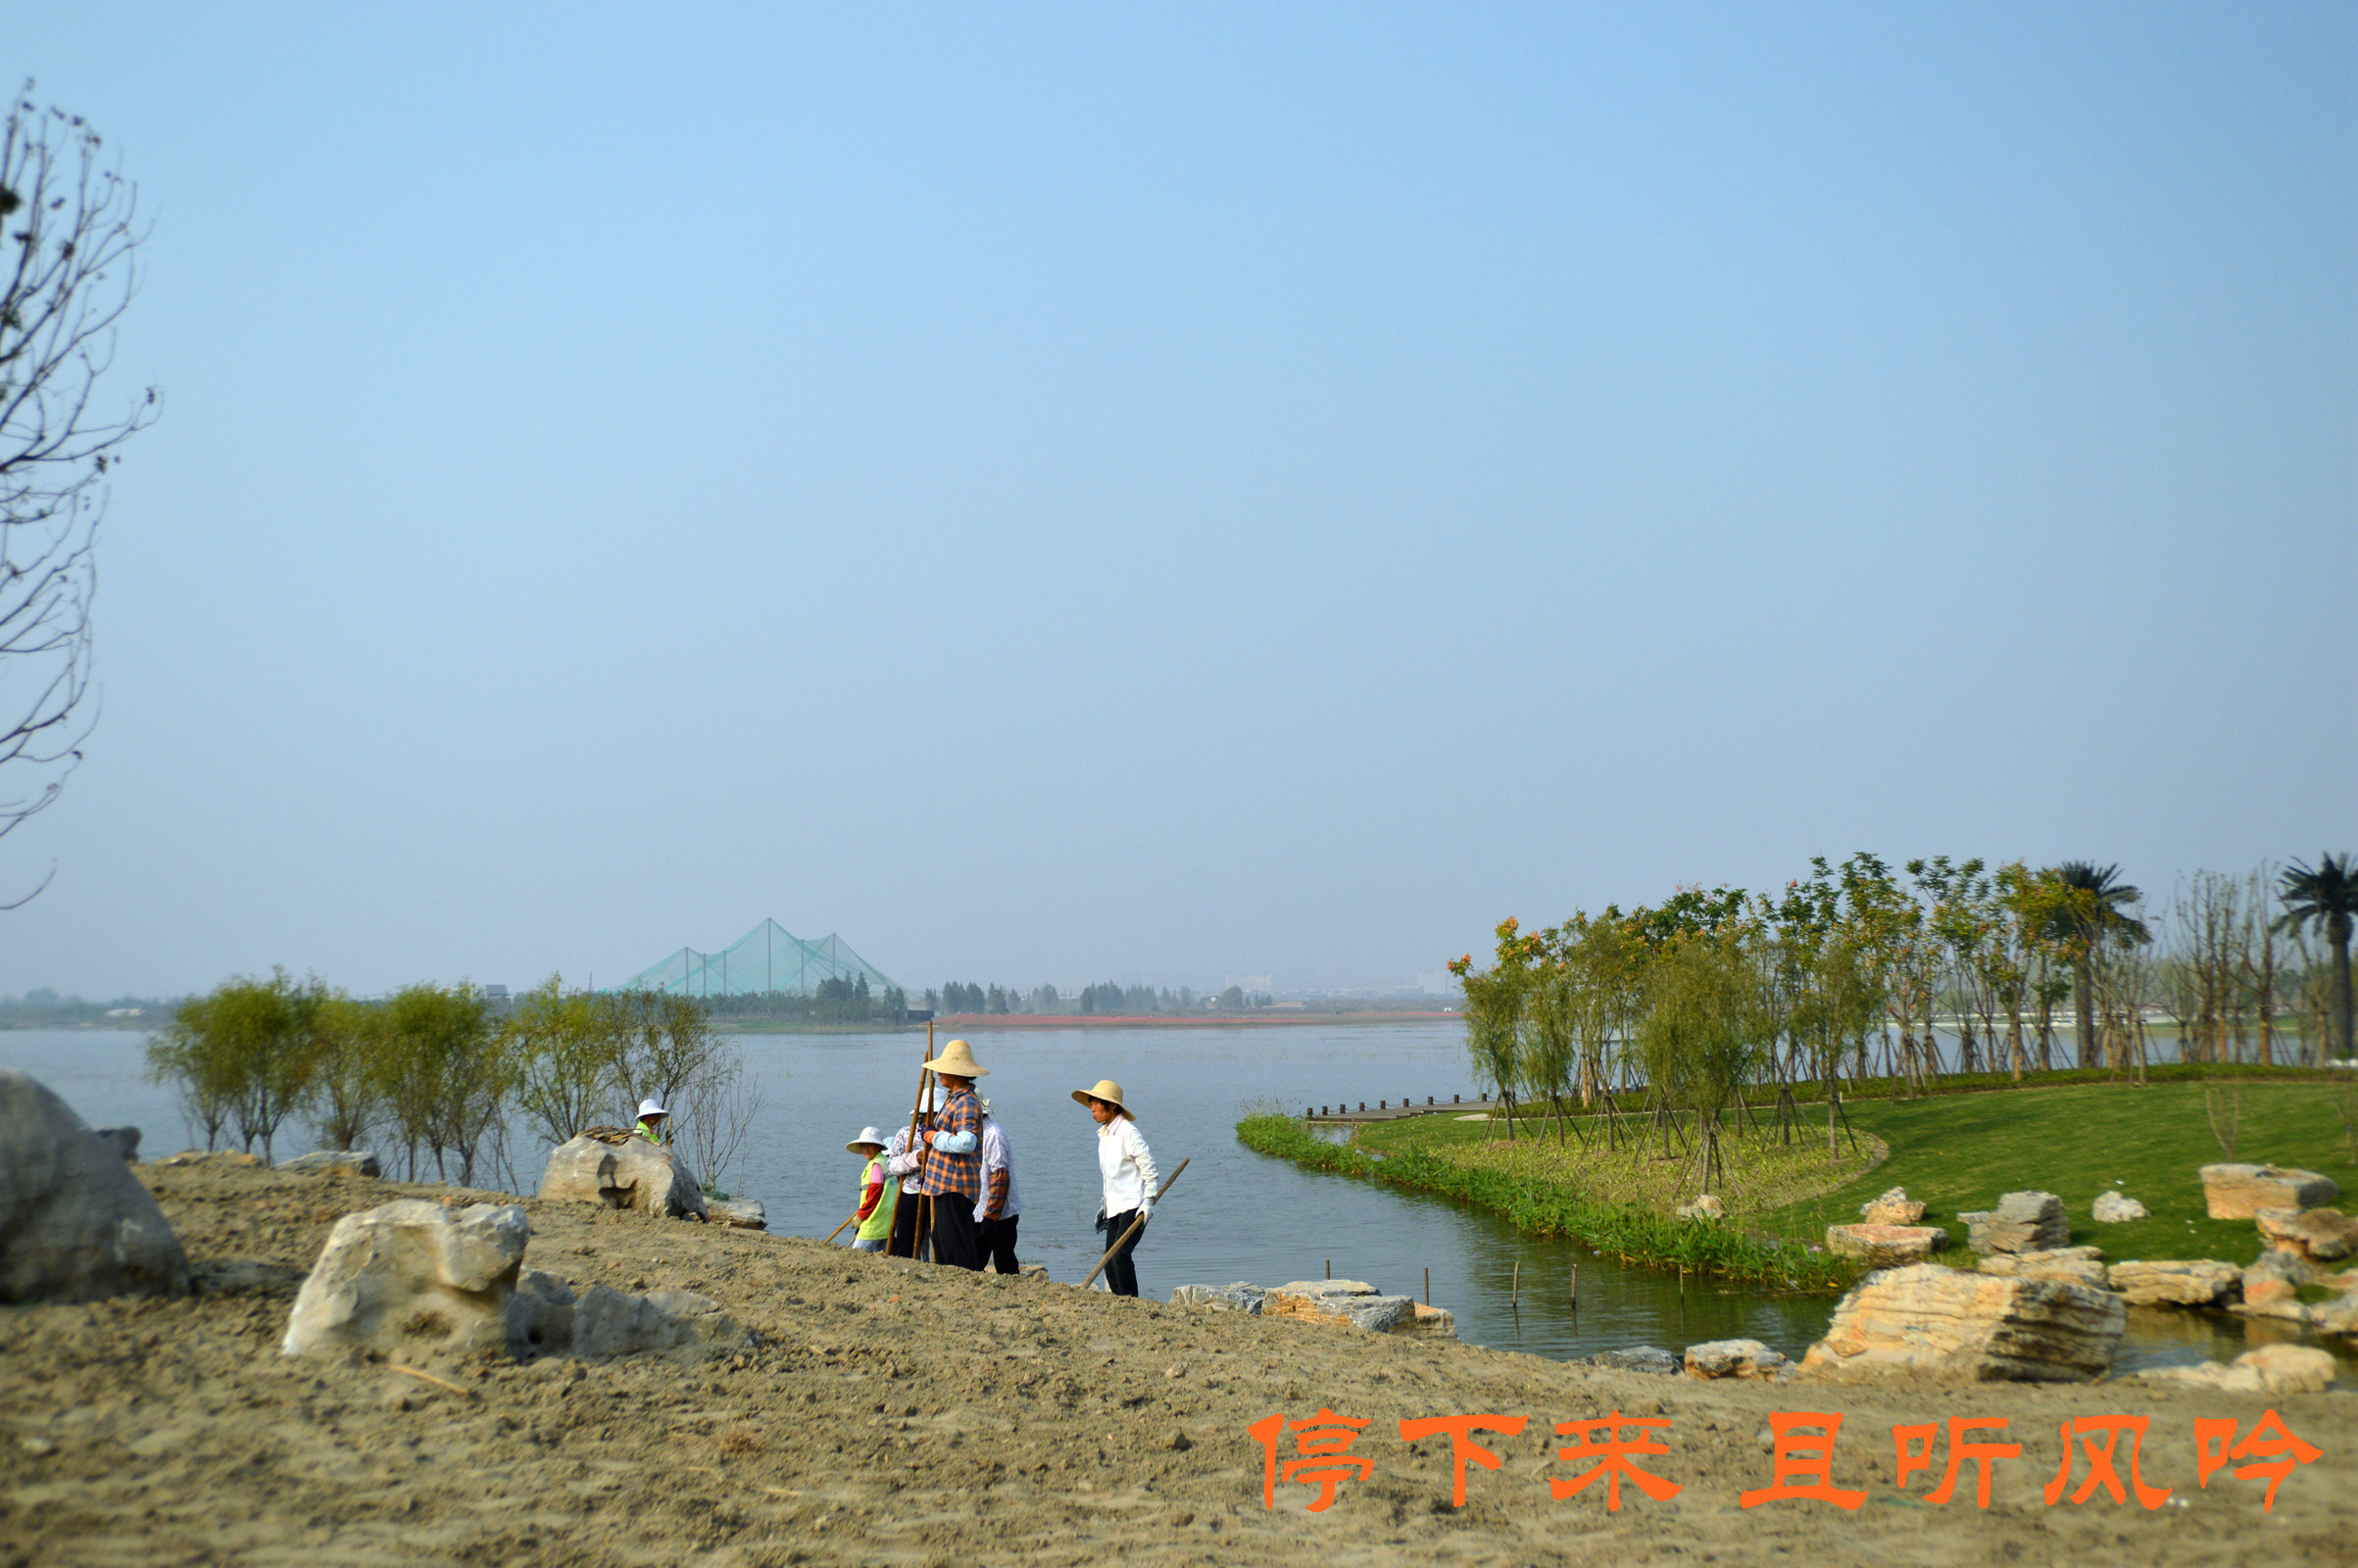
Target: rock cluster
2073,1266
1333,1303
1894,1208
2022,1222
1241,1296
416,1277
1886,1245
1737,1359
75,1223
2270,1369
335,1162
1640,1358
607,1166
1933,1321
2315,1235
2273,1277
2240,1191
2116,1208
2197,1282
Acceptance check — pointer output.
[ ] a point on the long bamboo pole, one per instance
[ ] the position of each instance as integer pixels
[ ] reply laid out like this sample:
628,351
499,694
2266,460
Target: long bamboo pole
1136,1225
838,1231
918,1234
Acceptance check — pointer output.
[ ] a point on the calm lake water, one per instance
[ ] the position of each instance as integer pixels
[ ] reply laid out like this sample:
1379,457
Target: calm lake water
1235,1216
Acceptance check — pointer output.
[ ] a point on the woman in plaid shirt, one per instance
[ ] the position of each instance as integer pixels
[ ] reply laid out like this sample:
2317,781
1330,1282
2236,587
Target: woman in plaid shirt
952,1175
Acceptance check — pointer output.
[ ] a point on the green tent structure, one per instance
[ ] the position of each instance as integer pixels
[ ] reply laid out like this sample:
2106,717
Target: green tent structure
769,959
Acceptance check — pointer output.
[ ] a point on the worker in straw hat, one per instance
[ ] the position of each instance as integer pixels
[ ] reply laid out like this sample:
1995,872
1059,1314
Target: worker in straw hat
952,1175
1127,1166
654,1121
877,1192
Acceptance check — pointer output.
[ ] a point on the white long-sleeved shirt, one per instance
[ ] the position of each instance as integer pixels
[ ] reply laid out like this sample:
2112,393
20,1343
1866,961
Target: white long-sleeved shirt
1128,1167
900,1162
997,1155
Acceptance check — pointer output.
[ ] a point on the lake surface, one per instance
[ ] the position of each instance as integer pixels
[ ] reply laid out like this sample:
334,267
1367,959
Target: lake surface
1235,1216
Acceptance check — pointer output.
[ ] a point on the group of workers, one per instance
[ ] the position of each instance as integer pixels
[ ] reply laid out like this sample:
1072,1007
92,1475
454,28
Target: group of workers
952,1190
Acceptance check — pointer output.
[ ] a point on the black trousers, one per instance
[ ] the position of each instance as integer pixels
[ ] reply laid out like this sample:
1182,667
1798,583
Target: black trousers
996,1238
1121,1275
954,1239
904,1226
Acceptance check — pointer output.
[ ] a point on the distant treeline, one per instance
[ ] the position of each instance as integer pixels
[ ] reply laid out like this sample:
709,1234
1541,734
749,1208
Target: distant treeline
837,1000
1110,998
42,1007
439,1071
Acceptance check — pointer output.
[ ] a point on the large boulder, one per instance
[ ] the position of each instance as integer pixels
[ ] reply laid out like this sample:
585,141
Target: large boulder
1340,1303
409,1272
1640,1358
2240,1191
1886,1245
2116,1208
744,1213
1929,1321
1707,1206
609,1322
2172,1282
2275,1277
2270,1369
2075,1265
1241,1296
75,1223
2022,1222
1894,1208
124,1139
1737,1359
2314,1235
621,1171
334,1162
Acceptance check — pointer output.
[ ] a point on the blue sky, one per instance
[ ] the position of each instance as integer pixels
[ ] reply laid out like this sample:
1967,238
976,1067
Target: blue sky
1169,493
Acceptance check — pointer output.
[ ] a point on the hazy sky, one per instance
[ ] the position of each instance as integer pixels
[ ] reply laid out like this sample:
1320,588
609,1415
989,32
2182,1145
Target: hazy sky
1178,492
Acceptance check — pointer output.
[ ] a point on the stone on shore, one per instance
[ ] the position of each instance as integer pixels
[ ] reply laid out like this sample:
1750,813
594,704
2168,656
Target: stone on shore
2337,1316
742,1213
1894,1208
1241,1296
125,1139
2196,1282
2075,1265
1933,1322
75,1223
1886,1245
2022,1222
1640,1358
2274,1277
1705,1207
1340,1303
1737,1359
214,1157
621,1171
2240,1191
2317,1235
409,1271
609,1322
2118,1209
335,1162
2270,1369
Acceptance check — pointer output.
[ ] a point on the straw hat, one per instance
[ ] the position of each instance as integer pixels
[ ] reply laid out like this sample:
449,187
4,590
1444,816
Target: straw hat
958,1061
869,1138
1107,1091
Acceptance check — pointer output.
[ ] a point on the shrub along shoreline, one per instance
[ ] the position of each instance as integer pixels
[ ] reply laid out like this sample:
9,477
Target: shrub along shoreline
1544,1208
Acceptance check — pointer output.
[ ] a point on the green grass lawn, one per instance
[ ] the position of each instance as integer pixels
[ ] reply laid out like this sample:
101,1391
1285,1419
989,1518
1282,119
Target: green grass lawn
1958,1153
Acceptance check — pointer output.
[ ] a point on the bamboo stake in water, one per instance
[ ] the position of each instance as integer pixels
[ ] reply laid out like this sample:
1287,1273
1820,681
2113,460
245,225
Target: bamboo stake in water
1515,1295
1428,1287
1576,1287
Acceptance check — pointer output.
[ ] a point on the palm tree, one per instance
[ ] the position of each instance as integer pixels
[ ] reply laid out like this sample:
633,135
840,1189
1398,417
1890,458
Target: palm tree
2094,913
2328,896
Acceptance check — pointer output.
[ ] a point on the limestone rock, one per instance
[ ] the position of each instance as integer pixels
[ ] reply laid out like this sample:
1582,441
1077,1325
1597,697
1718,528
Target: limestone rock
75,1223
2275,1277
628,1173
1929,1321
1886,1245
125,1139
1351,1304
2118,1209
609,1322
1640,1358
742,1213
539,1316
2240,1191
1242,1296
2337,1316
2318,1235
1428,1322
1707,1206
410,1270
2075,1265
2173,1283
1894,1208
1736,1359
2022,1222
335,1162
2270,1369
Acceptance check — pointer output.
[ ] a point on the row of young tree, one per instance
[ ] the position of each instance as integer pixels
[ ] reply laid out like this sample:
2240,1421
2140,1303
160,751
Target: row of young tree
435,1073
835,1000
1106,1000
1853,974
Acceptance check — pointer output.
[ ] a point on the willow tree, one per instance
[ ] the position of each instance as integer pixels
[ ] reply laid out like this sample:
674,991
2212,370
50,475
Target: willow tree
1493,1010
1701,1035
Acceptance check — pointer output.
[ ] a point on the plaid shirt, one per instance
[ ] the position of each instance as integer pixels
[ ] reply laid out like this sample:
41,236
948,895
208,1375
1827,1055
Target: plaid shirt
944,1172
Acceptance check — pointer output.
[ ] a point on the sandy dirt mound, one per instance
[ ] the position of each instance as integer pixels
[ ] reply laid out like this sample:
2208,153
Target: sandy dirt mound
891,1413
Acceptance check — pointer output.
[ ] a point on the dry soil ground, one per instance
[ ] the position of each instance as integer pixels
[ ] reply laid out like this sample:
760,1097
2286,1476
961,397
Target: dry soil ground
889,1412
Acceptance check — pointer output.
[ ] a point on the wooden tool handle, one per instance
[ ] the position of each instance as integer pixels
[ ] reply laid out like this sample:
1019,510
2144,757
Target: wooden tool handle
1136,1226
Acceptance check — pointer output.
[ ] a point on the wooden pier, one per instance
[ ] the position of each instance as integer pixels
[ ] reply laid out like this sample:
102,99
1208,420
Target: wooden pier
1350,1112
